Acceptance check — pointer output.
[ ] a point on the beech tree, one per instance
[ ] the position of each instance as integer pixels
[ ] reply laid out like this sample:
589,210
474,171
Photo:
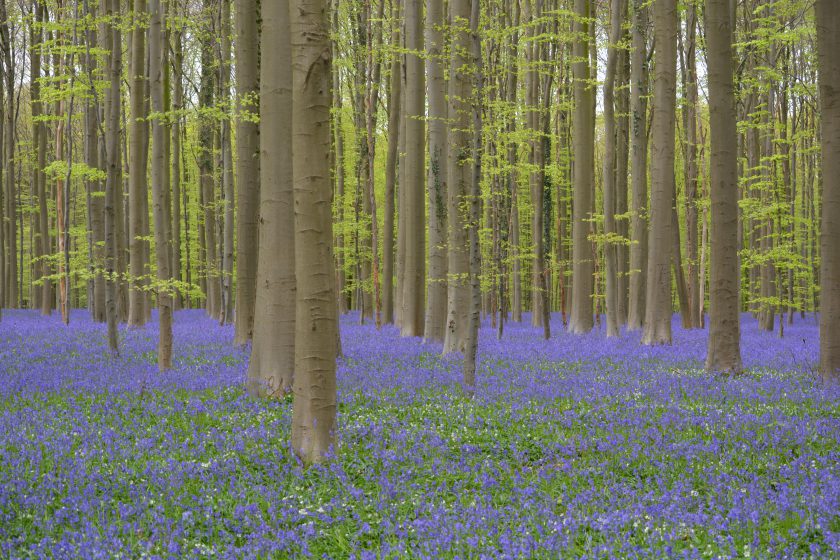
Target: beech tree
272,365
828,45
657,328
724,353
316,321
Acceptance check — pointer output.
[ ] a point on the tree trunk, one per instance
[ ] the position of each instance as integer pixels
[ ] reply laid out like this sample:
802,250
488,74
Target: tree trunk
272,365
394,126
227,170
160,186
314,411
692,197
584,175
415,219
658,312
638,168
724,354
460,176
175,173
206,176
435,327
610,229
137,187
828,43
112,42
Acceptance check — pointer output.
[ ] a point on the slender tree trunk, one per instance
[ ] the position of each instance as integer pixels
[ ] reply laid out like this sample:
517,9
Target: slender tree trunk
137,187
660,241
11,249
272,366
415,219
175,173
227,170
314,411
622,107
437,173
724,352
206,176
610,229
471,350
160,186
394,126
691,173
460,176
248,166
828,45
584,175
112,41
638,168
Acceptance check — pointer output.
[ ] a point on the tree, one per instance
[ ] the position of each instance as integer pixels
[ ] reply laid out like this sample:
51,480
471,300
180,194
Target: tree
272,365
460,176
415,218
313,415
137,185
610,190
395,123
113,181
724,352
247,166
584,174
435,327
660,241
160,186
828,45
638,167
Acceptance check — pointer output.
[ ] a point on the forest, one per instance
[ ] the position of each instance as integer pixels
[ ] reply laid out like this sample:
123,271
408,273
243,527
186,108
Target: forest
419,279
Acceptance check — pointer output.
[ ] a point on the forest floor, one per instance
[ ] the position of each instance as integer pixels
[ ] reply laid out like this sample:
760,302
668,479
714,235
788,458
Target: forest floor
576,447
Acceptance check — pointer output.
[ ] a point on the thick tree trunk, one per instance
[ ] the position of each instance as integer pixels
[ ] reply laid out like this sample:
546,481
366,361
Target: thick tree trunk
584,175
272,365
828,44
415,219
638,168
11,249
658,312
313,416
435,327
724,352
460,177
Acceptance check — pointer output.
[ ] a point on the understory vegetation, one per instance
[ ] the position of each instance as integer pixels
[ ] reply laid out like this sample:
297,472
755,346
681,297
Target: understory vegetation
582,446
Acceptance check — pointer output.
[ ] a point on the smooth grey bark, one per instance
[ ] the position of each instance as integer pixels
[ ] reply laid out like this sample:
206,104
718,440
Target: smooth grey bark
657,329
395,123
314,410
460,176
413,286
160,185
581,320
137,185
609,178
435,327
638,168
724,354
828,45
272,365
